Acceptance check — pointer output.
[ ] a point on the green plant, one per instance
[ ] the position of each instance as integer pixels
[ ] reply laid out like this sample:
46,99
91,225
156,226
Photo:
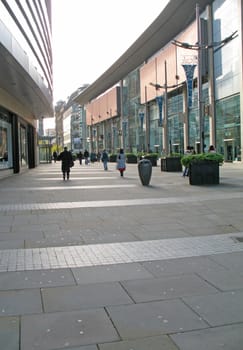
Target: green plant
175,155
131,158
188,159
112,157
151,155
131,155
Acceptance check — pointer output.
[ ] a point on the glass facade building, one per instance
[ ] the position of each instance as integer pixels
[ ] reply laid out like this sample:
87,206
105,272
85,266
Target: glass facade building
26,80
166,116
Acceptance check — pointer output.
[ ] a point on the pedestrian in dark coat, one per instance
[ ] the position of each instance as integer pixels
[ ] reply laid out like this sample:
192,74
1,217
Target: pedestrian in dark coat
86,157
67,162
54,156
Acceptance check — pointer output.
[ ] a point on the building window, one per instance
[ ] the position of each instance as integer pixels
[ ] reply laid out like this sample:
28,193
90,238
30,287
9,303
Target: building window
5,142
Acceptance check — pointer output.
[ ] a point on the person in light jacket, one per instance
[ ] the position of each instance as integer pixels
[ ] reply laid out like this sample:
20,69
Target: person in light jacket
121,162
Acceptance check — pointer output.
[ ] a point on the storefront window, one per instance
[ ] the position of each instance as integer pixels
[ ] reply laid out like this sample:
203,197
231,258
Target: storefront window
155,129
5,142
23,146
175,123
228,128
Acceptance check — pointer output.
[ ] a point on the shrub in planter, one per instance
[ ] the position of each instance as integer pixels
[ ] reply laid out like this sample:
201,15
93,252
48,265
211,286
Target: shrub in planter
112,158
153,157
171,162
203,168
131,158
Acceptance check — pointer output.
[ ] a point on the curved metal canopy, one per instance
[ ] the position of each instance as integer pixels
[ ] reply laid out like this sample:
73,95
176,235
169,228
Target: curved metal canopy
175,17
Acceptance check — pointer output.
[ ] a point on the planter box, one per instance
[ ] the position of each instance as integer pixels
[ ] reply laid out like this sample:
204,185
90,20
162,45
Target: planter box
112,158
131,159
152,159
204,173
171,164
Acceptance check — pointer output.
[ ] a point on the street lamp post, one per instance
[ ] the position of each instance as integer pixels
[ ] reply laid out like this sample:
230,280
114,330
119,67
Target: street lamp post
199,46
91,135
165,87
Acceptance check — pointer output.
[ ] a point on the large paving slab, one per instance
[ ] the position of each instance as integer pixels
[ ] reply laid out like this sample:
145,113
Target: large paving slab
154,318
54,241
84,297
20,302
181,266
86,347
35,279
109,273
66,329
218,309
12,244
167,288
223,279
162,342
219,338
230,261
108,237
9,333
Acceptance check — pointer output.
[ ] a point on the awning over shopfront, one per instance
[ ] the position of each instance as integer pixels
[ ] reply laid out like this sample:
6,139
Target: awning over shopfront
175,17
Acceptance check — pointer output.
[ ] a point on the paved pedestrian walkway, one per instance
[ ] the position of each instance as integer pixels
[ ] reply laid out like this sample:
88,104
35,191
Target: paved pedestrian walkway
101,262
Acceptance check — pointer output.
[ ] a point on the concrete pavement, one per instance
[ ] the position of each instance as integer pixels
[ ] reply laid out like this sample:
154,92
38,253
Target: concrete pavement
101,262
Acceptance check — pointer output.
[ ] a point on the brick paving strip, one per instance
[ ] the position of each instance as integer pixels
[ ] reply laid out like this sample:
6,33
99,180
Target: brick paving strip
117,253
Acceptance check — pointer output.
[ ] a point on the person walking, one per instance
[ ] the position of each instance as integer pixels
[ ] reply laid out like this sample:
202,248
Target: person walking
104,159
86,157
211,149
54,155
188,151
80,157
67,162
121,161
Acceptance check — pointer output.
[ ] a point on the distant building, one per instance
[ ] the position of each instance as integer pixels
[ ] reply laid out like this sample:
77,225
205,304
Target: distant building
70,120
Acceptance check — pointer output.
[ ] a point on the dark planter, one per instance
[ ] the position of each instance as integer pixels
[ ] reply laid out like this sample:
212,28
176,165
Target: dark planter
171,164
145,171
204,173
131,159
152,159
112,158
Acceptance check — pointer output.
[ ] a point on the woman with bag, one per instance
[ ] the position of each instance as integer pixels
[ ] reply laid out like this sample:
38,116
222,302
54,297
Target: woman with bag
121,161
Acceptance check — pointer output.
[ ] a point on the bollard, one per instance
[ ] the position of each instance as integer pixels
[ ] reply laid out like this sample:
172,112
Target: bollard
145,171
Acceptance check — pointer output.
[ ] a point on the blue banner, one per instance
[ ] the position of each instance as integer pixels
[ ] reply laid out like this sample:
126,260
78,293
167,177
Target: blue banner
189,71
159,100
124,127
141,117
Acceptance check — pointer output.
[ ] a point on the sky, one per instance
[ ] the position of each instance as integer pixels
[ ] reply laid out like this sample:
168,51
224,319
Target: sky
88,36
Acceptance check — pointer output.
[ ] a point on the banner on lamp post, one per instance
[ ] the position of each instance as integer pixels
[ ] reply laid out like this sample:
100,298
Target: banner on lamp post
189,71
141,118
159,100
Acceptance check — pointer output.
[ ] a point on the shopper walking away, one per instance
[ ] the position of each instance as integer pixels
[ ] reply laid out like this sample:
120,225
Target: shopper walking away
121,161
54,155
80,157
86,157
104,159
67,162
